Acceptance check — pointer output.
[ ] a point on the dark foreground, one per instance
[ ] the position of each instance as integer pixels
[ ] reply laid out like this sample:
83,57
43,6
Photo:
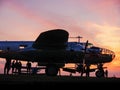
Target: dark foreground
52,81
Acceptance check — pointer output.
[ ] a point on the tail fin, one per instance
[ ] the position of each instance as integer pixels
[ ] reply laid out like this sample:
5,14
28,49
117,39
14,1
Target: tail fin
52,39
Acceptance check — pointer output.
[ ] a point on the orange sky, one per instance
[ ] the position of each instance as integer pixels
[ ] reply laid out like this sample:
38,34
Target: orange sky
95,20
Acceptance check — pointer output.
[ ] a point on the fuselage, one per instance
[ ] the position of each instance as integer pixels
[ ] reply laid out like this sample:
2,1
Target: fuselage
72,54
27,45
15,45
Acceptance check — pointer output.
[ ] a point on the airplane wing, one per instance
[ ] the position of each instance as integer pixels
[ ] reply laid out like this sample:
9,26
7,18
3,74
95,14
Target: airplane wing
52,39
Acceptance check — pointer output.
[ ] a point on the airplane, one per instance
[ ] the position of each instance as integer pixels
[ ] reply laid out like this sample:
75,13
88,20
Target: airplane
52,49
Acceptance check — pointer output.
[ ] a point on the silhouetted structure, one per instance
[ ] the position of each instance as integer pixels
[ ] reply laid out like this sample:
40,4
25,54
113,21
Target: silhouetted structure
80,69
28,65
34,70
7,64
13,66
106,73
87,70
19,67
16,66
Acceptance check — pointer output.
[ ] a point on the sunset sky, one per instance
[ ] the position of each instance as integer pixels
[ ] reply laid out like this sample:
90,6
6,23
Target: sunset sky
95,20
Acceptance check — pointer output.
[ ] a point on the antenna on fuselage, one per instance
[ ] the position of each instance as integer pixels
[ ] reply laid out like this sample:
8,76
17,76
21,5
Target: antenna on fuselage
79,37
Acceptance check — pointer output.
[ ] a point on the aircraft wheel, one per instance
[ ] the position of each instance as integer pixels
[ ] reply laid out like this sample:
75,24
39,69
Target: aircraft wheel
51,70
100,73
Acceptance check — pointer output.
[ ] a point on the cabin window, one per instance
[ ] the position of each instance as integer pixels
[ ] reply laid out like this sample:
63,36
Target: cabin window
22,46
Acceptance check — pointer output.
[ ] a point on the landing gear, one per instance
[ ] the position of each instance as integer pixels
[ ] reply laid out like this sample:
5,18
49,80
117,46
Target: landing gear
83,69
100,72
51,70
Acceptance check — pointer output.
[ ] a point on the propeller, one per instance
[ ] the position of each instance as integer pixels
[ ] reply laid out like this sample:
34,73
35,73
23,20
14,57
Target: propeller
86,44
82,65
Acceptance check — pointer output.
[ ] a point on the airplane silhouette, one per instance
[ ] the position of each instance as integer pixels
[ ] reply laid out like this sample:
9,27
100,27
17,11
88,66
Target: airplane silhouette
52,49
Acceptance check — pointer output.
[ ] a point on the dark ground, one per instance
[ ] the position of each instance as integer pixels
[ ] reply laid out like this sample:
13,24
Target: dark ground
43,81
